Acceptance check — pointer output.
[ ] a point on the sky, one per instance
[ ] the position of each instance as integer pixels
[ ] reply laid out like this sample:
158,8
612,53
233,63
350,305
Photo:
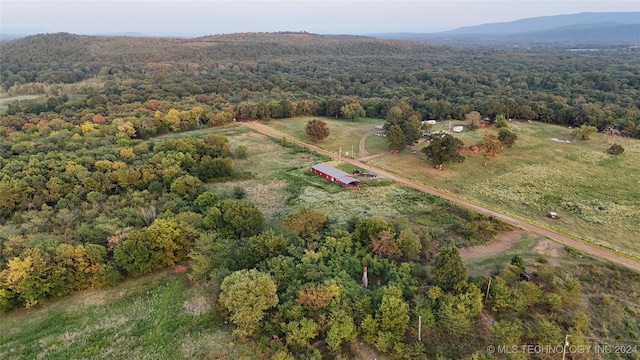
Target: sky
198,18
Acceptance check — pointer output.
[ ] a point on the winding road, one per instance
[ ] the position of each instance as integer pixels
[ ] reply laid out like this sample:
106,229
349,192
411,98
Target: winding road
587,248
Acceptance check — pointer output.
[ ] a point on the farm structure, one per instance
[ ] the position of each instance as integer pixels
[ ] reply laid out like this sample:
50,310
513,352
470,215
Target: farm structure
332,174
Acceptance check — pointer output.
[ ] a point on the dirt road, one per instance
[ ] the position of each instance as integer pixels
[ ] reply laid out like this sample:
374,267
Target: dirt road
587,248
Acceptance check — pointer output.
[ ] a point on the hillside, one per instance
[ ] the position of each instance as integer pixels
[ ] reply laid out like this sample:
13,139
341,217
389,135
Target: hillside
68,49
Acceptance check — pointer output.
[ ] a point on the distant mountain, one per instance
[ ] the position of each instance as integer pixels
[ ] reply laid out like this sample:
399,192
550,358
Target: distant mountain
543,23
576,30
16,33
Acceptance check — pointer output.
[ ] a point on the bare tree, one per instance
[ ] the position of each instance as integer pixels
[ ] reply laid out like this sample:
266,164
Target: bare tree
148,214
611,132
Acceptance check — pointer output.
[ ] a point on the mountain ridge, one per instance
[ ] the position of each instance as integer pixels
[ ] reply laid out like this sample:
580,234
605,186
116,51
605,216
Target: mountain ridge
541,23
580,30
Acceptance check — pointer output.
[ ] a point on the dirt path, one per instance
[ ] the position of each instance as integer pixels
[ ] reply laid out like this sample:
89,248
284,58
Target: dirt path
500,244
590,249
363,151
374,156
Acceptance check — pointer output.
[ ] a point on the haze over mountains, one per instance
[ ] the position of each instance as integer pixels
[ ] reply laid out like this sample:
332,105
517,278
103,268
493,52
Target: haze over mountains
622,28
580,30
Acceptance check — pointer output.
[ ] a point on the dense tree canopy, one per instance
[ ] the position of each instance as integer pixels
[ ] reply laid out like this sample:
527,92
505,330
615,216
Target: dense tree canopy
268,76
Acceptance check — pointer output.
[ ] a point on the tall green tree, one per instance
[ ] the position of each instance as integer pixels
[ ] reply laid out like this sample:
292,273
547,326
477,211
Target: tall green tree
449,270
247,294
443,149
352,111
501,122
235,218
395,139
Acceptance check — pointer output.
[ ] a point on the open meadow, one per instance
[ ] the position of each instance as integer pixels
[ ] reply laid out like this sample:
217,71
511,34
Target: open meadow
157,316
597,195
5,101
343,133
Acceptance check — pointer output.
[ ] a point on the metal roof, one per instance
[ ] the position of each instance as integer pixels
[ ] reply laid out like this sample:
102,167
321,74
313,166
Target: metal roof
340,175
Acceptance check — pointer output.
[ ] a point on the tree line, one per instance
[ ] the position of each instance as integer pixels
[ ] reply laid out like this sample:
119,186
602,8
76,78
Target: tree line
439,82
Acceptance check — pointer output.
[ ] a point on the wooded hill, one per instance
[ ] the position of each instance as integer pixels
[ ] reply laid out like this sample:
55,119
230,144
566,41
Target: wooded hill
98,182
441,82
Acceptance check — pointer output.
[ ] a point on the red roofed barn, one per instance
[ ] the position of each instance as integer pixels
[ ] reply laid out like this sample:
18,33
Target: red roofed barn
334,175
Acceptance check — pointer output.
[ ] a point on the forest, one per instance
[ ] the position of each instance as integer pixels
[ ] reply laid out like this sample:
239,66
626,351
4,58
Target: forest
256,70
98,184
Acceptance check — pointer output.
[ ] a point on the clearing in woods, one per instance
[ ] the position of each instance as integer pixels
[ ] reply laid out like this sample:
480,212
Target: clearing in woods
619,238
156,316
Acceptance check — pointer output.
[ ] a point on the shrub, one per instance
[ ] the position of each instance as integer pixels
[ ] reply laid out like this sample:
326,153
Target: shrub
615,149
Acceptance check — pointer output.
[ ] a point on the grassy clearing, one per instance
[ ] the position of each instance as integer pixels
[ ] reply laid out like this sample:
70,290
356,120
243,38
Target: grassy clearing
494,256
343,134
271,165
376,144
4,102
158,316
230,131
596,195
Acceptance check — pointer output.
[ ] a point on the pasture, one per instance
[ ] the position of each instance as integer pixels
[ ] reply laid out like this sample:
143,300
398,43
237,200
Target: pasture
157,316
343,133
4,102
597,195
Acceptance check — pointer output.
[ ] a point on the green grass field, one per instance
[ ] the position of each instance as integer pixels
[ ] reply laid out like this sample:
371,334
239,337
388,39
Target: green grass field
596,195
271,166
4,102
157,316
343,133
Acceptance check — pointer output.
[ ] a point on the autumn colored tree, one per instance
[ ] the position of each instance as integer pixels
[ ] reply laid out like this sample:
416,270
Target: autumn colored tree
490,148
98,119
386,245
317,130
315,296
304,222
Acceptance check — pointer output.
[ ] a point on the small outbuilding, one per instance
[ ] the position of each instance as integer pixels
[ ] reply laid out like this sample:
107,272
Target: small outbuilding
337,176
